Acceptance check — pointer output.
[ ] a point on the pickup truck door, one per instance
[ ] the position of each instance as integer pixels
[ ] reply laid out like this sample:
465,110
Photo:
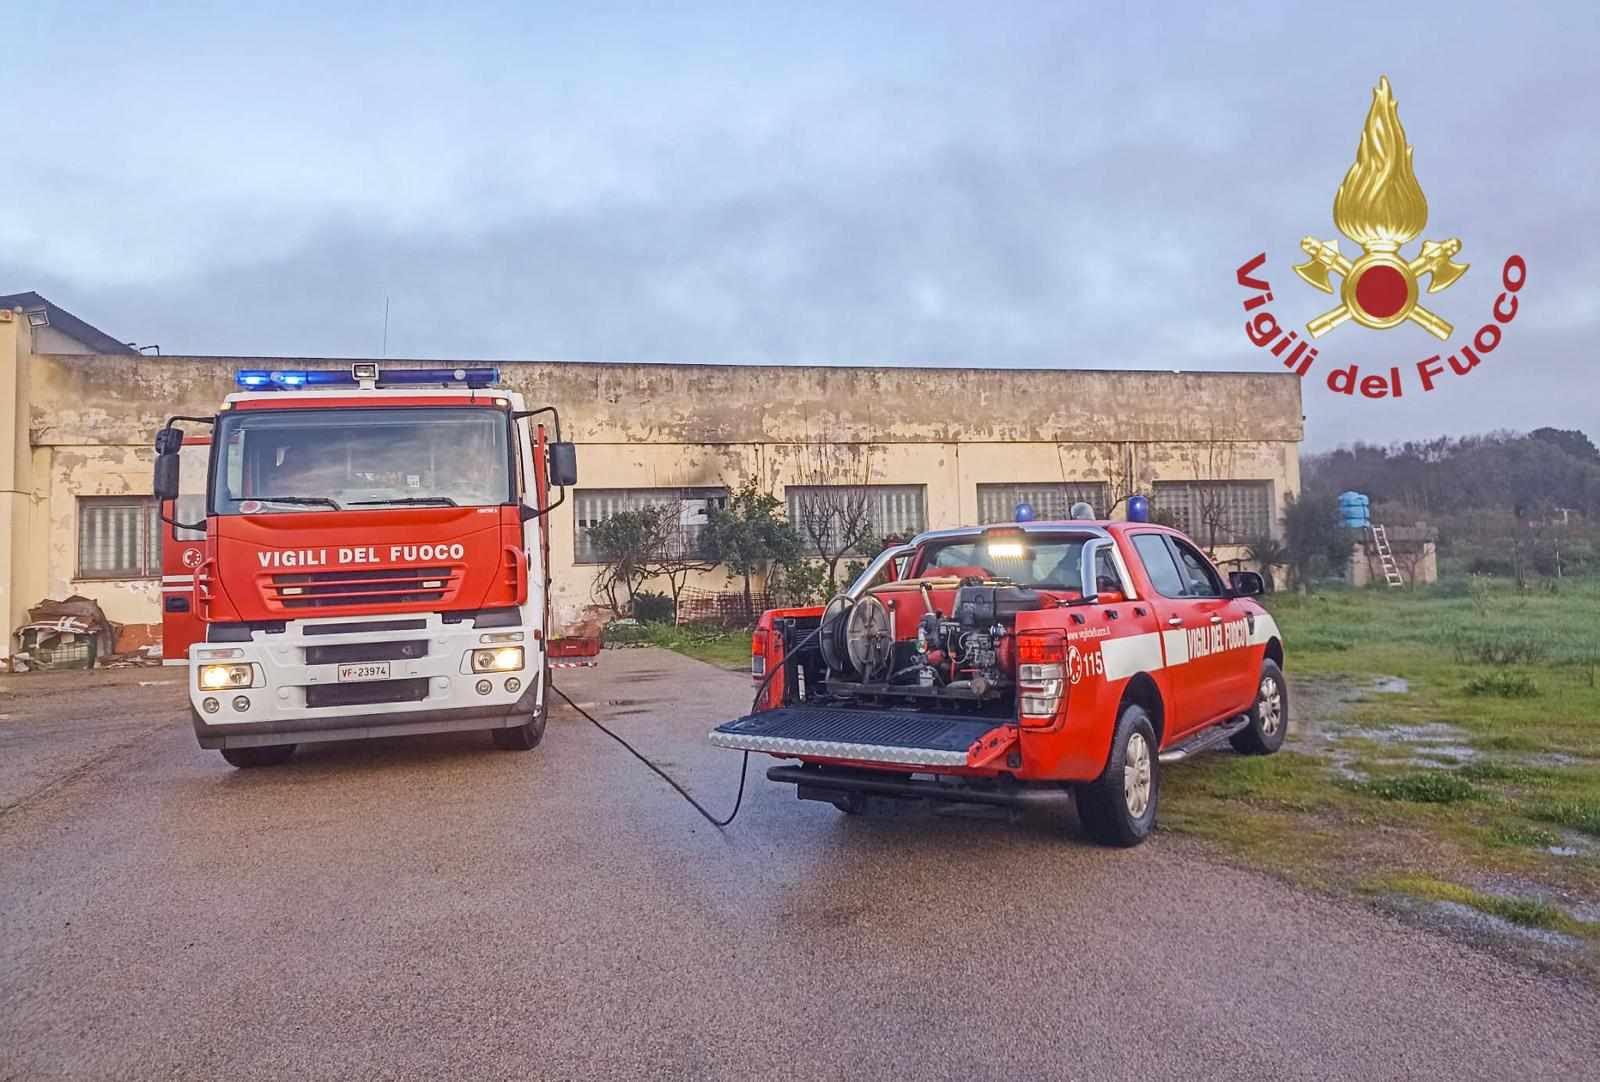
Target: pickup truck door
1217,658
1188,699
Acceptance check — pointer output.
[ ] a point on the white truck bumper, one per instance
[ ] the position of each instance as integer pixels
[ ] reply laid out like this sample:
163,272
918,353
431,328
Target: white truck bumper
297,695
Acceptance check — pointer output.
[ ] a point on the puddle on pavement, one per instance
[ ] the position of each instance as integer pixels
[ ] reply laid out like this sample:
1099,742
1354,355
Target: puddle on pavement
1391,685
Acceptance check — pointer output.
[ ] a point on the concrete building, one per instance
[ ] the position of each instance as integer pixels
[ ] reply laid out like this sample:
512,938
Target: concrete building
937,447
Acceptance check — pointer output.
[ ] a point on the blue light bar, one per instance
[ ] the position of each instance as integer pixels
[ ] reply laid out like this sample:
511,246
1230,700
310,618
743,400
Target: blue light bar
472,377
262,379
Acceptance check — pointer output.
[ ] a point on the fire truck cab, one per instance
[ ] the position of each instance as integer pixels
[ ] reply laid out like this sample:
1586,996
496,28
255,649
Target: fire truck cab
371,558
1015,664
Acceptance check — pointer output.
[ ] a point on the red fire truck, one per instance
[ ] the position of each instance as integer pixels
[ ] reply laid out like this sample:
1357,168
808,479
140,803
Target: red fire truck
369,558
1017,663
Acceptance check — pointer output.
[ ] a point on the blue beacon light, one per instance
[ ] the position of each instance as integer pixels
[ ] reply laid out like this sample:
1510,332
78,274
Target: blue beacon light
1025,512
1138,509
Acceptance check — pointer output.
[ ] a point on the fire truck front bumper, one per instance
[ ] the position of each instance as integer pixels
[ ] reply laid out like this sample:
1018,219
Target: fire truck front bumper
352,679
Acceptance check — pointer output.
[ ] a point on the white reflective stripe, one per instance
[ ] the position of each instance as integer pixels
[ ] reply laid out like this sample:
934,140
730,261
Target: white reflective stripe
186,589
1176,642
1262,628
1131,654
178,578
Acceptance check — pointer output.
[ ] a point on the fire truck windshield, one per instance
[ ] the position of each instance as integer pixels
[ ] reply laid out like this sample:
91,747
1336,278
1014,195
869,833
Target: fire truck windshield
280,461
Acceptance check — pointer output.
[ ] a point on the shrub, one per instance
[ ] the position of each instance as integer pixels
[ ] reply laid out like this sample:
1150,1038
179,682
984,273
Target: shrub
1580,813
1423,787
652,608
1507,685
1499,648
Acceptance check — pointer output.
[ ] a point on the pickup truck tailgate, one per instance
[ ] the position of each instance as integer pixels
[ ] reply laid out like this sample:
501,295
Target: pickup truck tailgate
872,736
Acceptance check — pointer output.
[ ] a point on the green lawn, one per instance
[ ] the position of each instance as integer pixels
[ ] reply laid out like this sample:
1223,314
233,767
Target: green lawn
1478,784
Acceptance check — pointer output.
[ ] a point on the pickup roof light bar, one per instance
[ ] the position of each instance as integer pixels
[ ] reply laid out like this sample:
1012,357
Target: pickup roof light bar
257,379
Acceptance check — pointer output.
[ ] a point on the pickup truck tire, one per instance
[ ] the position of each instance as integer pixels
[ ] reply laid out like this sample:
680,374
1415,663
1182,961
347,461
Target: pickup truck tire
249,758
523,737
1269,717
1119,807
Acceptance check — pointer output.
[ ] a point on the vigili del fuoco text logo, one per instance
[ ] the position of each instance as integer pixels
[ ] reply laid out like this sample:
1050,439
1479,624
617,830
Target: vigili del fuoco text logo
1379,206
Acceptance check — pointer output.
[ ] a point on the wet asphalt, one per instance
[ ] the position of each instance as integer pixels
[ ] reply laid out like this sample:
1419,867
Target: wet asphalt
434,908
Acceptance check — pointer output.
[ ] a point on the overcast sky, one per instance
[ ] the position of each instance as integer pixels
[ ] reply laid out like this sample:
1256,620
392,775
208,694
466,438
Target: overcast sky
1010,185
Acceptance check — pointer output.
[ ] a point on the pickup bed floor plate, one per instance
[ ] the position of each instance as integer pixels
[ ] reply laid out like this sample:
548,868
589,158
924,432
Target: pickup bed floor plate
874,736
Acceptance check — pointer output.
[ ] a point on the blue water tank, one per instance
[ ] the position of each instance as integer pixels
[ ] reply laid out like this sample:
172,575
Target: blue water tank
1354,510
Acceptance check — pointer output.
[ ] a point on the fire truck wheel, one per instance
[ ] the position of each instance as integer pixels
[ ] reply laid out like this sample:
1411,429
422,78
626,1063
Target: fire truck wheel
1119,807
521,737
1269,717
246,758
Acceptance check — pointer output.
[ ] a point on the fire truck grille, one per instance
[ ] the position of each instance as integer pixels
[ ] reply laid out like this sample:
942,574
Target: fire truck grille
344,589
378,691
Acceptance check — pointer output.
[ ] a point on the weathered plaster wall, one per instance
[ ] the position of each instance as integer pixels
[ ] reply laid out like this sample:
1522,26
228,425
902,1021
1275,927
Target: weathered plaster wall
91,420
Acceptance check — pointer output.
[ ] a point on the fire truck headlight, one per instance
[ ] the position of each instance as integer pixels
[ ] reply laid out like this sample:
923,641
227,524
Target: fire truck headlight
221,677
504,659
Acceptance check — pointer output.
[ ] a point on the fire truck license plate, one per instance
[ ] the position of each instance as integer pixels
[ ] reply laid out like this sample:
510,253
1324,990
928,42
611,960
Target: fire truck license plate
367,670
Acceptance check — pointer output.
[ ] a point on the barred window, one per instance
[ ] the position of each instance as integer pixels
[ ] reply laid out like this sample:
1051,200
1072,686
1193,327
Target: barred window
870,512
591,506
119,537
1216,512
1049,499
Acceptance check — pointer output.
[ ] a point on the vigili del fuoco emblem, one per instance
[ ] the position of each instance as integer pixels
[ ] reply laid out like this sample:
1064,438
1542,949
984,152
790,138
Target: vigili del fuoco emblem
1381,207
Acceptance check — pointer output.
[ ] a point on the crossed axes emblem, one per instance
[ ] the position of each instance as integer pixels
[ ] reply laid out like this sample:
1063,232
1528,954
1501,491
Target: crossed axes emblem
1434,260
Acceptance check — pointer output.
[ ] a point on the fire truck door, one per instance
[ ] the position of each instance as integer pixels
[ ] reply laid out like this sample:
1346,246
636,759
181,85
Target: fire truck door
1190,700
182,551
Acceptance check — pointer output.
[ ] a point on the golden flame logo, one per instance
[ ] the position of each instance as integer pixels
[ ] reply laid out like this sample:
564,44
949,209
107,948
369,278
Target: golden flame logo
1380,201
1381,207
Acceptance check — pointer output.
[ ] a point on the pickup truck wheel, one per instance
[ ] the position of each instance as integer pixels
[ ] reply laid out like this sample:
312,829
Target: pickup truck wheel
1119,807
1269,717
248,758
523,737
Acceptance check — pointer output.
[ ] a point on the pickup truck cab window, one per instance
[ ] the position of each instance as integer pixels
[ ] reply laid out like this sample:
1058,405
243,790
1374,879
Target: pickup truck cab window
1200,579
1159,564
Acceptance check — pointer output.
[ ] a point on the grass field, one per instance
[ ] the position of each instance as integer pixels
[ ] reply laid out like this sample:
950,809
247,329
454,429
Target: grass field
1472,779
1444,755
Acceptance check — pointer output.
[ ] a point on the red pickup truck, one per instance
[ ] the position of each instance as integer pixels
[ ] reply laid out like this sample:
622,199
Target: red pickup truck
1014,664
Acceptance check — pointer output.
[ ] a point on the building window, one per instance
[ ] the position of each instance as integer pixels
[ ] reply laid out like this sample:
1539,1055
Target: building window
119,537
1049,499
870,512
1216,512
593,505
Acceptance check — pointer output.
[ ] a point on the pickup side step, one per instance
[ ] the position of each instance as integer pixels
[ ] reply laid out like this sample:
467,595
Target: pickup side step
873,736
1204,739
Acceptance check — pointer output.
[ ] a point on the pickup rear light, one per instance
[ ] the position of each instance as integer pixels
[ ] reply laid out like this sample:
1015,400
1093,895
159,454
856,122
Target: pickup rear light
1041,677
758,653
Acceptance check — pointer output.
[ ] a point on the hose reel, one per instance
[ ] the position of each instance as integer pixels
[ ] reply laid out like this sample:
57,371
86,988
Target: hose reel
857,638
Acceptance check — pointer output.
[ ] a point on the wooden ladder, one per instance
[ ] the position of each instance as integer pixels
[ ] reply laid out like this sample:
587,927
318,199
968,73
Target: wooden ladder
1391,570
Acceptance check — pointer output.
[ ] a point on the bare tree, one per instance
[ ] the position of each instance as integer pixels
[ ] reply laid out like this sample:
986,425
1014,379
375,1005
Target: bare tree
1116,465
833,510
1212,461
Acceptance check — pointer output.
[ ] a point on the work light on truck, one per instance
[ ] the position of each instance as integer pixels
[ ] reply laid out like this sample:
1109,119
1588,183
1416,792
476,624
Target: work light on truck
1041,677
505,659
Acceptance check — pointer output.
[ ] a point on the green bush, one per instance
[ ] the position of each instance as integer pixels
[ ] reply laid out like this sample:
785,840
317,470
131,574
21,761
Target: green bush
1507,685
652,608
1423,787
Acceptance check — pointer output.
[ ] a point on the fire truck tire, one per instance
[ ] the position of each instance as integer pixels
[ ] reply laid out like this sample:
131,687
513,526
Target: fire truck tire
1269,717
248,758
524,737
1119,807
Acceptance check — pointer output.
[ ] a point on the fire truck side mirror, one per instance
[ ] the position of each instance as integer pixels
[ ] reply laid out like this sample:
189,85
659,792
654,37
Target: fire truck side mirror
169,441
166,478
563,465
